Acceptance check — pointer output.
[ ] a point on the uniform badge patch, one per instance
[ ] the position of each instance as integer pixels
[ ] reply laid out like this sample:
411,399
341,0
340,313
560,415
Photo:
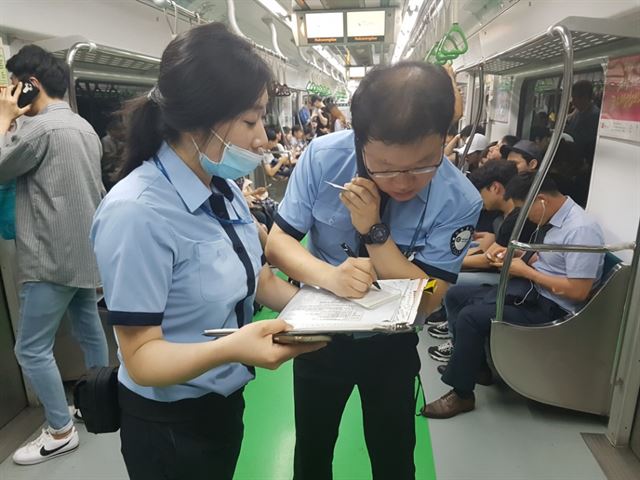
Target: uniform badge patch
460,239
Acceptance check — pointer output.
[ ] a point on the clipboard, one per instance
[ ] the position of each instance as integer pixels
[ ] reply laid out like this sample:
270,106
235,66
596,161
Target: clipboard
313,311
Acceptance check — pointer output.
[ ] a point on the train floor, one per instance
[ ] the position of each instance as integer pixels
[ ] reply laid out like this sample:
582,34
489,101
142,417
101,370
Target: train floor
506,437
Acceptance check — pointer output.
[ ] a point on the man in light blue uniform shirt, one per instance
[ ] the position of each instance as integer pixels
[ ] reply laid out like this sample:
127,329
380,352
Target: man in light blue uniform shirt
546,288
313,207
412,213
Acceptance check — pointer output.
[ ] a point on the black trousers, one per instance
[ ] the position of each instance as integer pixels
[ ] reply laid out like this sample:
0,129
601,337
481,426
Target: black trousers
469,313
384,370
189,439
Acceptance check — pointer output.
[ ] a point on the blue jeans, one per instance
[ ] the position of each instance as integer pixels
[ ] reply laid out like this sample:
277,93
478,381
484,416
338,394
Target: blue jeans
42,306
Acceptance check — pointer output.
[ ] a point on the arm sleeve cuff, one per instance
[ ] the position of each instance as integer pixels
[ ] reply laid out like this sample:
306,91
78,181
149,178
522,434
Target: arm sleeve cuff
436,272
135,319
288,229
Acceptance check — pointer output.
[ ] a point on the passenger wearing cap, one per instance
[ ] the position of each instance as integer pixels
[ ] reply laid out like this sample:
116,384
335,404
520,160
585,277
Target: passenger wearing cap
478,144
454,140
525,154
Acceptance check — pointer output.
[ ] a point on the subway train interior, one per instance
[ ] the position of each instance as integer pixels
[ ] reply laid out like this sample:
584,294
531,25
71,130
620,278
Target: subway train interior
563,402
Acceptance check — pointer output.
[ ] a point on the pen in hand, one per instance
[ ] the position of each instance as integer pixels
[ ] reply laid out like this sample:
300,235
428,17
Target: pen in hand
351,254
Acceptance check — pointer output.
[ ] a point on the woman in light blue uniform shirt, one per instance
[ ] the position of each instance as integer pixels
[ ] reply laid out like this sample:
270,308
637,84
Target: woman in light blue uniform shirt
179,253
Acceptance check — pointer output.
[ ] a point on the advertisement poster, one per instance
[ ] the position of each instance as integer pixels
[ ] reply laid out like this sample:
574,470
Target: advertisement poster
4,75
620,116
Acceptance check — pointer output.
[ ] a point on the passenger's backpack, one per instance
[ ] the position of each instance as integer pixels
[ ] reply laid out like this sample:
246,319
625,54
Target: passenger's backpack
95,394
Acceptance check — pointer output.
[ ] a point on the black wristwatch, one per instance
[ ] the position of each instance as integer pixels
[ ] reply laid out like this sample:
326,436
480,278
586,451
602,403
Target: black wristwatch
378,234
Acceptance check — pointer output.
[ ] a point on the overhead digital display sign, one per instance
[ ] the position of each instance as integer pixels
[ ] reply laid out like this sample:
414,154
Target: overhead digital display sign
324,27
366,26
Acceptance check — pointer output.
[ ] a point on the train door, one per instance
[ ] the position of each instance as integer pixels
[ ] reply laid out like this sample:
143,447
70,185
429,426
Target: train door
12,393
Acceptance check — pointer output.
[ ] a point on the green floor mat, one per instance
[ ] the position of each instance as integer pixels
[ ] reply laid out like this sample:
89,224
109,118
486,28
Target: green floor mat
267,450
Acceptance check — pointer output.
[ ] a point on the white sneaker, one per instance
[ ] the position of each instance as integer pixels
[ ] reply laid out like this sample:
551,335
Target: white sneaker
45,447
76,414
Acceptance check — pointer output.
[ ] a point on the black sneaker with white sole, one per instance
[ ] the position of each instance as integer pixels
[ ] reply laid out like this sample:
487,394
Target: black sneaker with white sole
441,353
440,330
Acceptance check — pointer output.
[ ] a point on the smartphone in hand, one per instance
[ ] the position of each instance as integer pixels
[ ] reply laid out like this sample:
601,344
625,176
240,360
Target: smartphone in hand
28,95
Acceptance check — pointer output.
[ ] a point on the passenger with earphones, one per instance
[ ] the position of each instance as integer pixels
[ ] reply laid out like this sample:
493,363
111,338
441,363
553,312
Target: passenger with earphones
543,288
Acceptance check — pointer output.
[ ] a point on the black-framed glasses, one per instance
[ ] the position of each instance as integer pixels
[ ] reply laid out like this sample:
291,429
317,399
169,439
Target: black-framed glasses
412,171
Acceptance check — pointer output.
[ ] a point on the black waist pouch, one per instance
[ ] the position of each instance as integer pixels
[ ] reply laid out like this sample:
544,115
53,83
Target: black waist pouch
96,396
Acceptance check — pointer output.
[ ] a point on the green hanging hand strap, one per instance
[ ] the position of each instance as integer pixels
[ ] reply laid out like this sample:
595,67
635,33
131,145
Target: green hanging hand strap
453,44
441,55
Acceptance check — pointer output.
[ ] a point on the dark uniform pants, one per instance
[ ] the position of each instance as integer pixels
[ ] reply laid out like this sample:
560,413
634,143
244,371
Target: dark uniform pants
384,369
470,310
194,439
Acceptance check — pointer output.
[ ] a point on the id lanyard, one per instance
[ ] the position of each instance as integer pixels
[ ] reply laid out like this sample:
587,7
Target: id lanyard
409,253
228,221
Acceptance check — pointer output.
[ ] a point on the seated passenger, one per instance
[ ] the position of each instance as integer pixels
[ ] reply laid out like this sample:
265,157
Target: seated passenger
457,140
474,155
274,162
486,153
288,136
525,154
297,136
545,289
495,150
490,181
262,207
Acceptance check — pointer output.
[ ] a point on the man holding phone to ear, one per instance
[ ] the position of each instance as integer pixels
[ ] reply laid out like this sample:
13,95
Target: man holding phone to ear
54,156
408,210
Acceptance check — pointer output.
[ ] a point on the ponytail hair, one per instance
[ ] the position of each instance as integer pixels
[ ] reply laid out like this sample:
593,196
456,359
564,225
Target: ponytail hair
144,134
207,75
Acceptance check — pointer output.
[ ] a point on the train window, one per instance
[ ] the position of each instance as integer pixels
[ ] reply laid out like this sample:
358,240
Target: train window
539,104
540,99
99,101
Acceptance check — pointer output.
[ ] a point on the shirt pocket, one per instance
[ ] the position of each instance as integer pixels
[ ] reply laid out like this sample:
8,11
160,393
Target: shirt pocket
221,274
333,215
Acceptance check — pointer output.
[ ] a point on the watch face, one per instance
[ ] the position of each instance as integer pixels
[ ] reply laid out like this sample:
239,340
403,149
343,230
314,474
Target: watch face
379,233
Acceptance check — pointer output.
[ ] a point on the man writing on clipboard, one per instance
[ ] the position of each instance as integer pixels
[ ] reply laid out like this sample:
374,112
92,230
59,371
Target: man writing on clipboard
407,209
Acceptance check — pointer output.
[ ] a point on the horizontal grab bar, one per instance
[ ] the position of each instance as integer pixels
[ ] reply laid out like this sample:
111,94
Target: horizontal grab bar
549,247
